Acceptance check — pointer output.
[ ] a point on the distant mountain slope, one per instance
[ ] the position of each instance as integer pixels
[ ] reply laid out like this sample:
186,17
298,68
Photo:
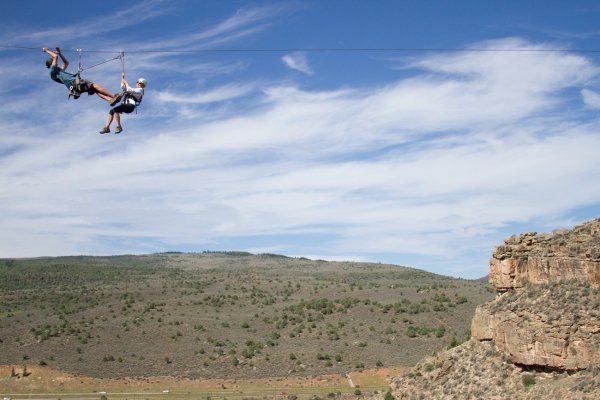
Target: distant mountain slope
226,315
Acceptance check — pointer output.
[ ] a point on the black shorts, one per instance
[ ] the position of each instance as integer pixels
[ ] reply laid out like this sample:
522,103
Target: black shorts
86,86
123,108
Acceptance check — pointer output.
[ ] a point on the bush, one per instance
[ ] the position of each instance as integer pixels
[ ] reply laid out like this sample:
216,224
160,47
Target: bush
454,342
388,395
248,352
528,380
411,332
357,392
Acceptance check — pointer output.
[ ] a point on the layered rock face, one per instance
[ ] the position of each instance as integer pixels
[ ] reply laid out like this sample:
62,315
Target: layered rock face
562,255
552,318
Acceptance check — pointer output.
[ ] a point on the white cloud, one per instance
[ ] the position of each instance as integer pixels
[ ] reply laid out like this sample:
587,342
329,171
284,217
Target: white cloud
86,26
244,22
297,61
224,93
591,98
431,165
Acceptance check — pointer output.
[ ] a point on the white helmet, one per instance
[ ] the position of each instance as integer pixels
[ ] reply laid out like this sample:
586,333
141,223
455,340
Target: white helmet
142,82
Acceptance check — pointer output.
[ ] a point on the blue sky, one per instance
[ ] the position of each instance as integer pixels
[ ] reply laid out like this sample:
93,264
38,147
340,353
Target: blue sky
420,158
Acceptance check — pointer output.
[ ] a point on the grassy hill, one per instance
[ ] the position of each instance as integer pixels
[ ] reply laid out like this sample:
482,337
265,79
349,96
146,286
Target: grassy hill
233,315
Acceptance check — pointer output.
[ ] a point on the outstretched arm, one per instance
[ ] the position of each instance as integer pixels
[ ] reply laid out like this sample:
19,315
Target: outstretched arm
52,54
63,58
55,55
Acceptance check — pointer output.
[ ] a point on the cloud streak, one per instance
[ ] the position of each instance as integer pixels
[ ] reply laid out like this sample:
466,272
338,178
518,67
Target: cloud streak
87,27
433,164
297,61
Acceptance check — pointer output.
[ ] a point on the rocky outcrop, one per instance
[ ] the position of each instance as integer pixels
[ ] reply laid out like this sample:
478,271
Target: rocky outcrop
540,337
552,319
554,325
562,255
477,370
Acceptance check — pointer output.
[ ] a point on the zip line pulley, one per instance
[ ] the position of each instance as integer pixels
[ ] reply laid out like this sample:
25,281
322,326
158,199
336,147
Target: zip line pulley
121,56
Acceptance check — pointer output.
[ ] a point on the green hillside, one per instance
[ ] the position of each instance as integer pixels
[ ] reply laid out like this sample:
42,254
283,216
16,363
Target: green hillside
227,315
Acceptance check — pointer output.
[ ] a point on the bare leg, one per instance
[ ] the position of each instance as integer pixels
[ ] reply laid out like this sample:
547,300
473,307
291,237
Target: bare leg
102,92
119,128
109,120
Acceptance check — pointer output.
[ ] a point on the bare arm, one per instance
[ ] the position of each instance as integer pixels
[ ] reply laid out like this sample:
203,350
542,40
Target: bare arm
63,58
52,54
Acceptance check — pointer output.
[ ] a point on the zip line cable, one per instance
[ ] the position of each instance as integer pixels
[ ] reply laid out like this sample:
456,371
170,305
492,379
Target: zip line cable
100,63
80,69
325,49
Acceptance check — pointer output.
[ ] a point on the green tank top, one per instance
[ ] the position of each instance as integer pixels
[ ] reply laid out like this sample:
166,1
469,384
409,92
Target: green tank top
60,76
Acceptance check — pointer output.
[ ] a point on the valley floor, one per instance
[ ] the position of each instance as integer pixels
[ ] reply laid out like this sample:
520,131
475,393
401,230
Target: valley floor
48,383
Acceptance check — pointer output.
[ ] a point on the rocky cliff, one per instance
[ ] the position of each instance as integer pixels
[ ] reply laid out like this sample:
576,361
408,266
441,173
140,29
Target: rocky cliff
563,255
553,325
554,320
540,338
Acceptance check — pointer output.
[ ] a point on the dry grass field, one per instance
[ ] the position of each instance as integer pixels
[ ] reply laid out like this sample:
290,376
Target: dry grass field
233,316
44,383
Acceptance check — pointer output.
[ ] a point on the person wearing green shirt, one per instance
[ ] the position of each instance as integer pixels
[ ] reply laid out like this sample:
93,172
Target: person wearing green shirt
60,75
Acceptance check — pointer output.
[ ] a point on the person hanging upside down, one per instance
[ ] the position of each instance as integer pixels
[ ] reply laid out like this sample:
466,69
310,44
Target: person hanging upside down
132,96
75,84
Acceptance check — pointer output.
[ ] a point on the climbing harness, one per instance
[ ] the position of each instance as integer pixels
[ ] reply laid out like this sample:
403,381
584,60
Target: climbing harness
76,87
79,85
129,96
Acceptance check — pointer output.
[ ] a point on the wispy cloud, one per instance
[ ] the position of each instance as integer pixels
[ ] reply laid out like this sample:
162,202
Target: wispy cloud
359,172
244,22
86,26
297,61
591,98
224,93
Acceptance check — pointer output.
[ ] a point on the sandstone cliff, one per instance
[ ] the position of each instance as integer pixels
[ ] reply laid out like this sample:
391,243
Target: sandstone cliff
554,321
552,325
540,338
563,255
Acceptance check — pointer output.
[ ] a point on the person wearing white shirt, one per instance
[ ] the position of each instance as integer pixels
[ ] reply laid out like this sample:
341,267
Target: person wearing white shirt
131,98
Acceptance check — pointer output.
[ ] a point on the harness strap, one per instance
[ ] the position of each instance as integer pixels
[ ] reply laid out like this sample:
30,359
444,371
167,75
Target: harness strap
136,101
122,57
74,89
79,68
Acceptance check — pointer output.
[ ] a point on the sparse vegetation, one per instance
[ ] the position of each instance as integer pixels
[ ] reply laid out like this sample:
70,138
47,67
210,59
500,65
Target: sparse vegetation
225,314
528,380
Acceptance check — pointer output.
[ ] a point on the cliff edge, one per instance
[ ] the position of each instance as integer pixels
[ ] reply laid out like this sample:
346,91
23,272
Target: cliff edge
548,314
540,337
563,255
